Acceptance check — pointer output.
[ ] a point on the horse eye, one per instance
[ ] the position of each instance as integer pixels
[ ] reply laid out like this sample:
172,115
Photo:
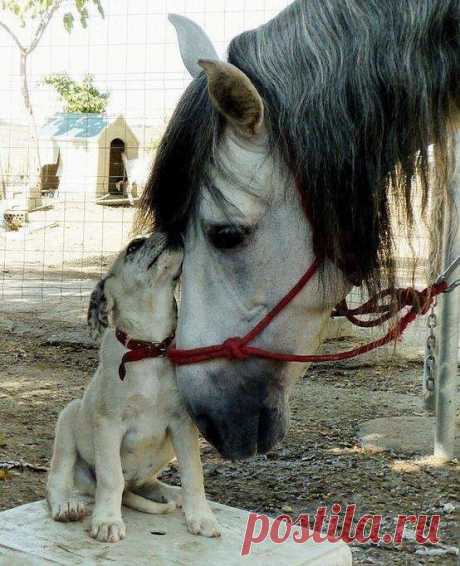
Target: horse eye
135,245
228,237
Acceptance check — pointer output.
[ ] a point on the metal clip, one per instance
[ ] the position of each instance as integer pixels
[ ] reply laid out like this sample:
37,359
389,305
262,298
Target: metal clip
448,272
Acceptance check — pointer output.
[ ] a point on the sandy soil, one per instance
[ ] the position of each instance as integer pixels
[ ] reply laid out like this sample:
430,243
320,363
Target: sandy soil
74,234
45,362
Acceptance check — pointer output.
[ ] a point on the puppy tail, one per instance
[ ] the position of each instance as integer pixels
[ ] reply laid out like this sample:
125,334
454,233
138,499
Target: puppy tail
139,503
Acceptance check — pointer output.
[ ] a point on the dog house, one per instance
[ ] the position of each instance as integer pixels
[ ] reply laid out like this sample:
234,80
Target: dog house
83,153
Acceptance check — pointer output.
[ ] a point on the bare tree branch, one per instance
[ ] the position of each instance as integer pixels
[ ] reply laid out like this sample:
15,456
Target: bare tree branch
49,9
44,22
13,35
38,34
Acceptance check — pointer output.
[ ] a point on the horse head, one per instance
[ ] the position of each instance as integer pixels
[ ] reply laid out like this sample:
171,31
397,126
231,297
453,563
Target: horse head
285,153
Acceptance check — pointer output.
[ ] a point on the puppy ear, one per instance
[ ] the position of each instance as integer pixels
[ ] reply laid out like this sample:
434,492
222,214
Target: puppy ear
100,307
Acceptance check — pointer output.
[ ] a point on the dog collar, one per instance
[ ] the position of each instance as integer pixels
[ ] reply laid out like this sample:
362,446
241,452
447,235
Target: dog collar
140,350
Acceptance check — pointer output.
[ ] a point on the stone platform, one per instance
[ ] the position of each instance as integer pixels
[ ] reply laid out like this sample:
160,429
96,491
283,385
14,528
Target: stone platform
403,434
29,537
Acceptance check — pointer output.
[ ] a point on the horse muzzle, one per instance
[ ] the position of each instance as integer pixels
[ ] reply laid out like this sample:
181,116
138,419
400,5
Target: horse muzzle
240,417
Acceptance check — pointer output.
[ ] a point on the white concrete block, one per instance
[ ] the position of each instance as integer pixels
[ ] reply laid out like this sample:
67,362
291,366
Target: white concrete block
29,537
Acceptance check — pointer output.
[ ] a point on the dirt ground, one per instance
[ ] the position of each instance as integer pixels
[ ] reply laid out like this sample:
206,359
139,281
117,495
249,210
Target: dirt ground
45,362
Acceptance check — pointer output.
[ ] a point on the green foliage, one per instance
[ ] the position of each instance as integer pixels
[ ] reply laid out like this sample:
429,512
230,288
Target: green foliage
27,10
78,96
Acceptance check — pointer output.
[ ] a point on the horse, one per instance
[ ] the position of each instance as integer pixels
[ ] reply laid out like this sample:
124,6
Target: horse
295,150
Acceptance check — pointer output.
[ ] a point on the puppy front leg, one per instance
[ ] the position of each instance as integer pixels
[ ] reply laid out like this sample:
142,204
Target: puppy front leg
107,524
63,503
198,516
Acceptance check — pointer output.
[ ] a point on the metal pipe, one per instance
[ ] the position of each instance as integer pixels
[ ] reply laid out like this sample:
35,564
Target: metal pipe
449,327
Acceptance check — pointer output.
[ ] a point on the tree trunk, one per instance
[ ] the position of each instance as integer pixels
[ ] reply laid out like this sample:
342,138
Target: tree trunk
3,183
24,53
29,109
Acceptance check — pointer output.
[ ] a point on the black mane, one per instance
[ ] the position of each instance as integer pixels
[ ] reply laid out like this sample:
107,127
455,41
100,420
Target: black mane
355,92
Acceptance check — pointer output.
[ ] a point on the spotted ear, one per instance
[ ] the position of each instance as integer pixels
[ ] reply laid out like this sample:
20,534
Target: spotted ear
100,307
235,97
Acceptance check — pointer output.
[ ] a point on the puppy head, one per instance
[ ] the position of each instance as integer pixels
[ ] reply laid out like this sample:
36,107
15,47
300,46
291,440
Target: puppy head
141,270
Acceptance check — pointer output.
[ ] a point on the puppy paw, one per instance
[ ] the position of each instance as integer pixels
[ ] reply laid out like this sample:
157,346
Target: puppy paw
107,530
202,522
71,509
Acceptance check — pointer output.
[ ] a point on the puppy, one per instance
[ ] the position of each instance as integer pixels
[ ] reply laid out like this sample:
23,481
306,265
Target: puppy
114,442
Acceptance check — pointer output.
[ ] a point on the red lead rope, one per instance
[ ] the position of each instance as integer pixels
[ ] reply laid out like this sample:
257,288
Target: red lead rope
240,349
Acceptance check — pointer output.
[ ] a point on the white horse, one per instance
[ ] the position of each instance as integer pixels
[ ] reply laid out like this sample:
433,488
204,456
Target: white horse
286,153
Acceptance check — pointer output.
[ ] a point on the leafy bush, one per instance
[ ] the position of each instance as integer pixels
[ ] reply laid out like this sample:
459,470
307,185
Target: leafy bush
78,96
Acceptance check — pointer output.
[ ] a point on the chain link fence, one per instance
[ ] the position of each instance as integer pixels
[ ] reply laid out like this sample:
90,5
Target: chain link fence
70,182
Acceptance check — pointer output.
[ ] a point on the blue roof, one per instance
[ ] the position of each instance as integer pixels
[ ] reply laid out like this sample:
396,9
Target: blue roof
73,125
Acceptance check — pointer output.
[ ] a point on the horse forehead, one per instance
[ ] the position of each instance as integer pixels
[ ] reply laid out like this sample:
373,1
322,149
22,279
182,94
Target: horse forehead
244,177
245,158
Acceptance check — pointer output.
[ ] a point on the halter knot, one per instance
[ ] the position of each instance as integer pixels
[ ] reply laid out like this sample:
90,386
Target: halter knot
233,347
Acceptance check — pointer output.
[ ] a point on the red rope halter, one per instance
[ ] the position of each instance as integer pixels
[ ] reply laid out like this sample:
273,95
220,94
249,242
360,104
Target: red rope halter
240,348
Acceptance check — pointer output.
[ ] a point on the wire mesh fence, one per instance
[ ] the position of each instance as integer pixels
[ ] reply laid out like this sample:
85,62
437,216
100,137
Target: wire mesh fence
70,181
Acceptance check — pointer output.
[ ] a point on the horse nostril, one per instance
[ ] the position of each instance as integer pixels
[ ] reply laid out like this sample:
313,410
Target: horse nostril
271,429
208,429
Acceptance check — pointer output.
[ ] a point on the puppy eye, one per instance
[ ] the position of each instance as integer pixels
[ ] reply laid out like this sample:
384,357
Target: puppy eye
135,245
228,237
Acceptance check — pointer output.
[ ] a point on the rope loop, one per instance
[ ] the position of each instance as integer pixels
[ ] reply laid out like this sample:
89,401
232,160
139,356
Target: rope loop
414,302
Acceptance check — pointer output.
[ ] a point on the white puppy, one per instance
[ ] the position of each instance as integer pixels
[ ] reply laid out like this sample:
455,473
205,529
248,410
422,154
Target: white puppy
115,441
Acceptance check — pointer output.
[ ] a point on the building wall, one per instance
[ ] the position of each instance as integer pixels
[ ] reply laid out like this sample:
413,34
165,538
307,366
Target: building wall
85,172
18,156
78,169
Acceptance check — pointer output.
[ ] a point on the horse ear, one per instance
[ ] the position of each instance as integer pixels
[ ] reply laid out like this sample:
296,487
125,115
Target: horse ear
100,307
194,44
235,97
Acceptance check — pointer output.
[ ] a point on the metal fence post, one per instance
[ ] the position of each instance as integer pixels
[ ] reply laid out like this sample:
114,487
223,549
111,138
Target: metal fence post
449,328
